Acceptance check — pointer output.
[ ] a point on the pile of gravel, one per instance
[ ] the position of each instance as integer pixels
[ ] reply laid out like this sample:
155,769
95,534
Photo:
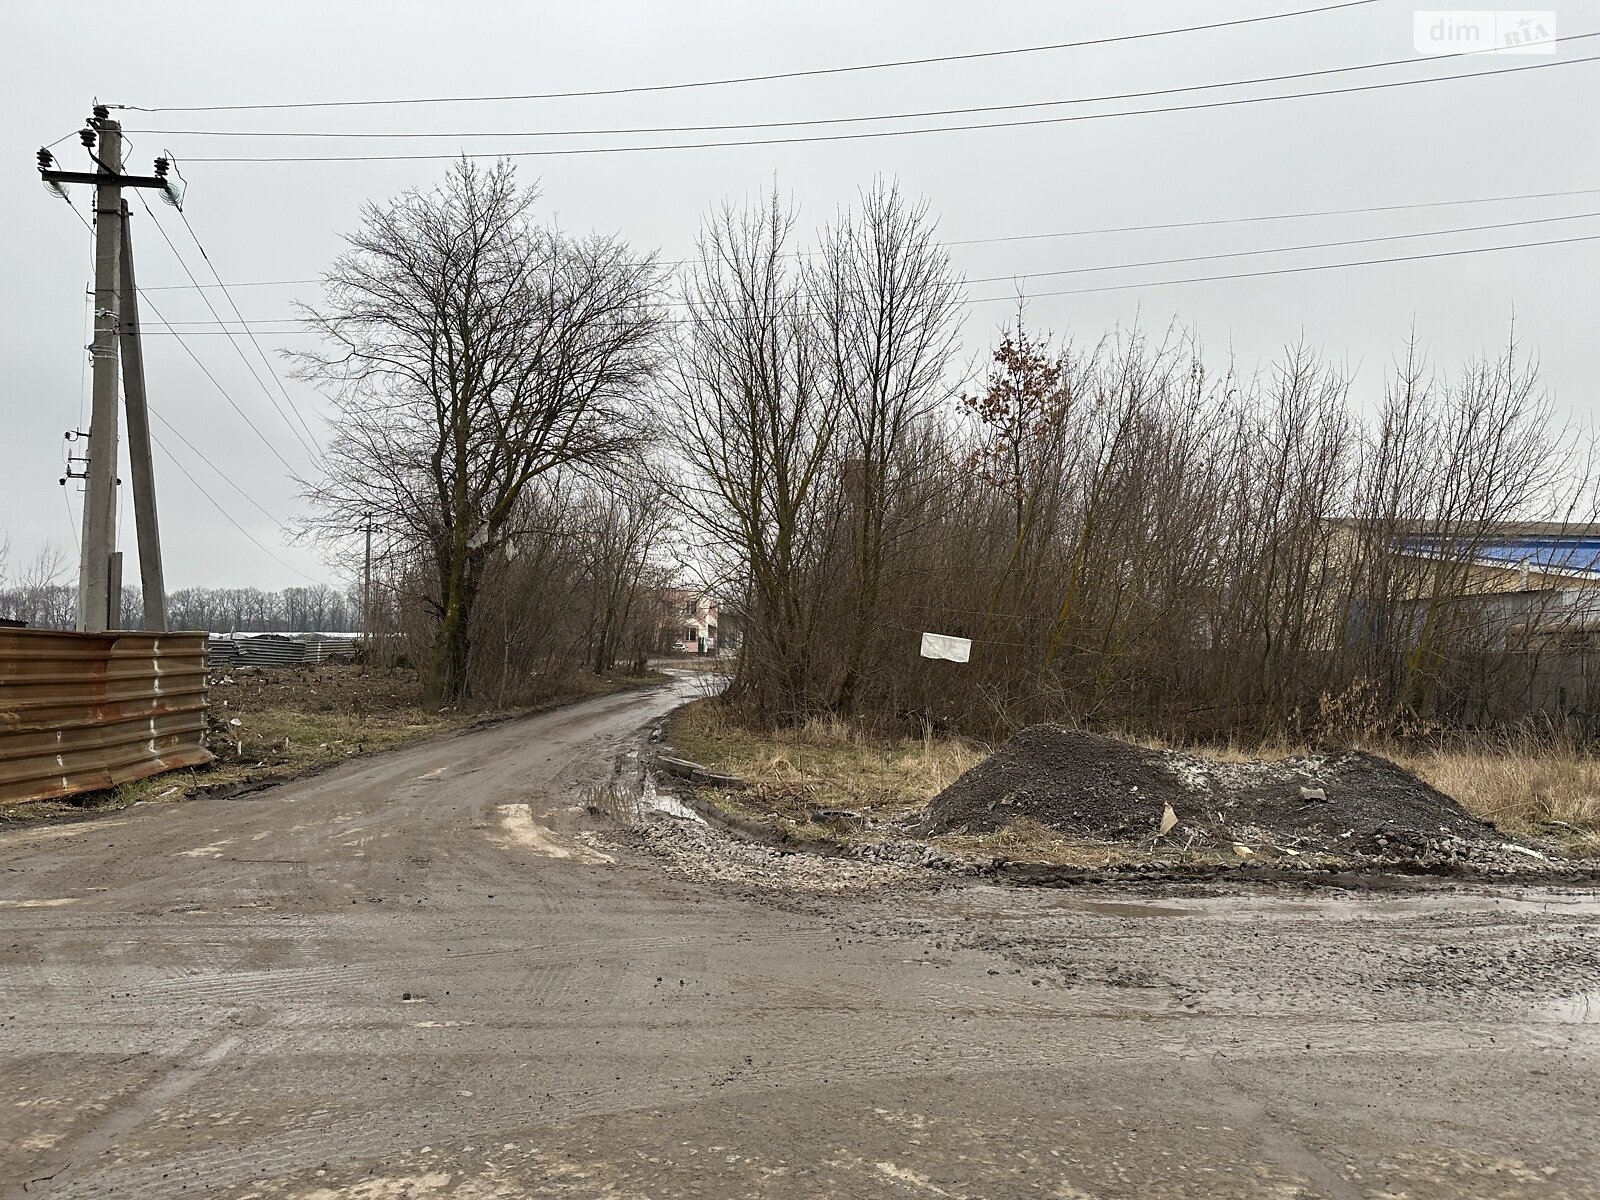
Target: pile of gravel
1103,789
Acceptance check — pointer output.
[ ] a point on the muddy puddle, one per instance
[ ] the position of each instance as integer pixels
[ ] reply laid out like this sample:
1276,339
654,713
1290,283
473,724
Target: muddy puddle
1006,904
1581,1009
1127,908
656,800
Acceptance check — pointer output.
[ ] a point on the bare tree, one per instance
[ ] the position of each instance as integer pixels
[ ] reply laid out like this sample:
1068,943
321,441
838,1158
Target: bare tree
471,351
756,420
1495,456
626,527
36,596
890,305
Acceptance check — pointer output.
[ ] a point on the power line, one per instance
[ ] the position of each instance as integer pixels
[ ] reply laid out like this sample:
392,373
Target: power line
892,116
1325,212
200,287
1369,262
293,407
1391,237
226,514
72,521
222,391
187,350
808,73
892,133
236,347
1060,233
1160,262
223,475
173,429
1012,299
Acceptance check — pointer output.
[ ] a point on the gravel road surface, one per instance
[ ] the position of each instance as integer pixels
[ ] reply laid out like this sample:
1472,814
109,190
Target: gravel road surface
429,973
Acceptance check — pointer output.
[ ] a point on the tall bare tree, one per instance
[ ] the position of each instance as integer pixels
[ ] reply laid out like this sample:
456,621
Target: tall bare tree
626,528
470,351
891,310
756,419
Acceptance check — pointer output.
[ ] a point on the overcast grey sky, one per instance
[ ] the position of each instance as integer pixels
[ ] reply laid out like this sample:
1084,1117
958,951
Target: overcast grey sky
1533,132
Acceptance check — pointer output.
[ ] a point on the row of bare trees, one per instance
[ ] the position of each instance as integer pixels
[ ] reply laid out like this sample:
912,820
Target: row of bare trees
1128,536
547,431
810,392
579,589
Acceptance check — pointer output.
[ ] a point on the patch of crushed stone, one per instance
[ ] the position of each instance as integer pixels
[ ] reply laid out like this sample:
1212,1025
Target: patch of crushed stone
697,853
1351,804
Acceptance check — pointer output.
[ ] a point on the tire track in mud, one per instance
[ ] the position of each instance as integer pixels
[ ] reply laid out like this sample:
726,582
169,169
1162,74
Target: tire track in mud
290,982
172,1083
390,1130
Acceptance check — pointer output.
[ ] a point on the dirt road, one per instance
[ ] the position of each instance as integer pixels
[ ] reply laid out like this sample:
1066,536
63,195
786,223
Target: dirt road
427,974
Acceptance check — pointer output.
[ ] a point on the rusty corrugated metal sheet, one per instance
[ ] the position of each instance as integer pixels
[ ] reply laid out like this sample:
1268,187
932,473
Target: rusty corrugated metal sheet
81,711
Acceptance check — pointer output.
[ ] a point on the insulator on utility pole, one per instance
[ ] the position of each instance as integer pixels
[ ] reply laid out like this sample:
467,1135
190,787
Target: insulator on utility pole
46,161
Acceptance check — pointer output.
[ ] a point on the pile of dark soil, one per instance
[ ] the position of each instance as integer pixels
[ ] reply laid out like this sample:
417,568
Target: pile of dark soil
1100,788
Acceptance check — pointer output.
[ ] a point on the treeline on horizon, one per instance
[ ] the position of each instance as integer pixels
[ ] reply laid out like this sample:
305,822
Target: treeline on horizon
314,609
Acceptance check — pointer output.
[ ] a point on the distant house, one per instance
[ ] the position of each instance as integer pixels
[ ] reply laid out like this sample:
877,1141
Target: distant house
689,623
1535,584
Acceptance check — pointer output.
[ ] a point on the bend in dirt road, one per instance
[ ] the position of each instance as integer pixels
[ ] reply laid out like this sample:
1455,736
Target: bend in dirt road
428,974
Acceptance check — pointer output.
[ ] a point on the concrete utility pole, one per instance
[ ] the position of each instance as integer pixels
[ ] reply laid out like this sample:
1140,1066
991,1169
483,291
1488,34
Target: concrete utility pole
95,604
366,590
116,322
151,577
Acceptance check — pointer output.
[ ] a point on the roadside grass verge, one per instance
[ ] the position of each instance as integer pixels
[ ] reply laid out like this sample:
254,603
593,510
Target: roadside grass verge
1527,785
825,764
1523,784
285,743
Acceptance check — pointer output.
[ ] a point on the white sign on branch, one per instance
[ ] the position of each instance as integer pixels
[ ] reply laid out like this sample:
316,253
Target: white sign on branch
952,649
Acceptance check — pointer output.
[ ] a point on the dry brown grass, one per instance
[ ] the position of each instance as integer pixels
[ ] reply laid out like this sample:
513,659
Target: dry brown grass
824,763
1026,840
1523,785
